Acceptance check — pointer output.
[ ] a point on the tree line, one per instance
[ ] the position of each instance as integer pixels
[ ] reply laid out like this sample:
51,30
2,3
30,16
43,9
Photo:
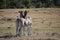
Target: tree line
29,4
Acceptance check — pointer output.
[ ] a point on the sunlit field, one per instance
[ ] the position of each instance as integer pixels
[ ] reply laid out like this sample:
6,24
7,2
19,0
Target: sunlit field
45,25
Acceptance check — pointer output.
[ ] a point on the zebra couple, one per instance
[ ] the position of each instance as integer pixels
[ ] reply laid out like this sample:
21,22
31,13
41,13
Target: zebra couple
23,24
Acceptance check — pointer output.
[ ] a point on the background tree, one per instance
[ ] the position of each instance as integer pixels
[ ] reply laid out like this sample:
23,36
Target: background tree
29,3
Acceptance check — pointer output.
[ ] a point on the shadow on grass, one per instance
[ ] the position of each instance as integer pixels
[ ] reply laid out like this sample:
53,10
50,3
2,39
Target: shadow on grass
8,36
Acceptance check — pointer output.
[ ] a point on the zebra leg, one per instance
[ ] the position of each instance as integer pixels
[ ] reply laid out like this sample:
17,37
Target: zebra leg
17,30
24,31
29,29
20,31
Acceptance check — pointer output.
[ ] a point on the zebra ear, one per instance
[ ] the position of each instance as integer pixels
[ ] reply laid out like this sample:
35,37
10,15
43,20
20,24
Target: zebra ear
25,11
20,11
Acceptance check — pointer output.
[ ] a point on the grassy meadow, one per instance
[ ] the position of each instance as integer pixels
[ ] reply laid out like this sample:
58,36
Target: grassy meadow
46,21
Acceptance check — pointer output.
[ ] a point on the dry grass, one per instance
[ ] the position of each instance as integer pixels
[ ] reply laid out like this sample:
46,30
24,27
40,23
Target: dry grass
46,21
